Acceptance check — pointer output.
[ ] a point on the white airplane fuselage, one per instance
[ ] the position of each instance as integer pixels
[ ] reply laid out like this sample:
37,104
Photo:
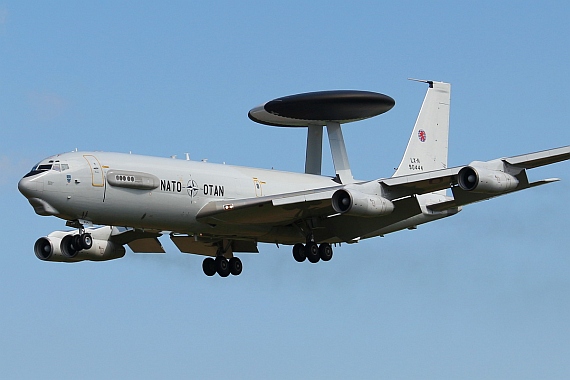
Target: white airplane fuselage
99,187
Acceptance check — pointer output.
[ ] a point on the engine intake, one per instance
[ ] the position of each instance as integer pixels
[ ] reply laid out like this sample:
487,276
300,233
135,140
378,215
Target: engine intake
351,202
480,180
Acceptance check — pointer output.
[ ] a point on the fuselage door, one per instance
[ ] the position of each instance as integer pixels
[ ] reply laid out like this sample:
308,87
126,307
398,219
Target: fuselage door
97,178
258,187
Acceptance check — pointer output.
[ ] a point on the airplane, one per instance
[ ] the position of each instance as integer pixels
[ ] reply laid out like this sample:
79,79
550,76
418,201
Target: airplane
219,210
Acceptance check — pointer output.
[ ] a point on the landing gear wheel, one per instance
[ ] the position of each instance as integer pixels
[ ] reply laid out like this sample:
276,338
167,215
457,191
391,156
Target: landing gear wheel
235,266
86,241
312,252
325,251
299,252
76,243
209,266
222,266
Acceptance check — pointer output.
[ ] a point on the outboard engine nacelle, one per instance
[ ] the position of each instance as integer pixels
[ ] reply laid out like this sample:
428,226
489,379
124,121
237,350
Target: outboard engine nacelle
352,202
481,180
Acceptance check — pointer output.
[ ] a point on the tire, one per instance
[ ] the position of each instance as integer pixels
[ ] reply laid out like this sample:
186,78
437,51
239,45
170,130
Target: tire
209,266
299,252
86,241
235,266
325,251
312,251
76,243
222,266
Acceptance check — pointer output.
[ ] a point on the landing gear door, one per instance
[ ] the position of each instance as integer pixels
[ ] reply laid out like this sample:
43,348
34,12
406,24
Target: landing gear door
97,178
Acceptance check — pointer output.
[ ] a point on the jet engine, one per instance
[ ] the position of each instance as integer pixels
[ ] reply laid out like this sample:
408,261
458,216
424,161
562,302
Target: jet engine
488,181
64,246
352,202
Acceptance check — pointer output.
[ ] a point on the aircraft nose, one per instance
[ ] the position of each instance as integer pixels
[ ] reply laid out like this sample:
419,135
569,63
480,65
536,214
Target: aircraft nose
28,187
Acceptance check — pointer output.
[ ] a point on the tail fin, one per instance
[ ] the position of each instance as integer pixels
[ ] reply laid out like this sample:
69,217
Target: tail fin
427,147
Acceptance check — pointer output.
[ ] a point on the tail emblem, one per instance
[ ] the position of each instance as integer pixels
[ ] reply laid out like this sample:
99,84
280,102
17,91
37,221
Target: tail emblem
422,135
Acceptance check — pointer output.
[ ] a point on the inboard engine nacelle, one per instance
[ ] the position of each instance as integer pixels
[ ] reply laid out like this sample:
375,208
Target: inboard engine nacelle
486,177
58,246
351,202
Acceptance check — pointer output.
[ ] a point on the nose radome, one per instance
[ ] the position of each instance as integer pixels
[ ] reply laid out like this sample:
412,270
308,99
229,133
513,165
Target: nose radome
28,187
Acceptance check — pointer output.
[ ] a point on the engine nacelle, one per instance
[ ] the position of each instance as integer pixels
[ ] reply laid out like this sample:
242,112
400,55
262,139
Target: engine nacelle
57,246
49,249
352,202
481,180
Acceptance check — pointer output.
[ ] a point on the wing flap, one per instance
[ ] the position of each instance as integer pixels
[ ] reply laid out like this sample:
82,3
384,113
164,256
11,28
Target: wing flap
146,245
188,244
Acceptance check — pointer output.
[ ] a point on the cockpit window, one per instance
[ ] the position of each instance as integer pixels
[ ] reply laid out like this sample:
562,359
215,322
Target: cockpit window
37,169
51,165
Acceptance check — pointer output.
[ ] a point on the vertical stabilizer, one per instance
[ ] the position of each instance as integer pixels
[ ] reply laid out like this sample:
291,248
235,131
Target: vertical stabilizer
427,147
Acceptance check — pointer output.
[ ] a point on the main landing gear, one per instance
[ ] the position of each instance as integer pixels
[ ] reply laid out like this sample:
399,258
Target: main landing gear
312,252
222,266
73,244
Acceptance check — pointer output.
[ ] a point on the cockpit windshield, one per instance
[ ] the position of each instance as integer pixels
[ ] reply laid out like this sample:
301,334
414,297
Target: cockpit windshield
43,167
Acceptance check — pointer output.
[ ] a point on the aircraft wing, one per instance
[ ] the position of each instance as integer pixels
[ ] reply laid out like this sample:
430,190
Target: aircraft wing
275,209
545,157
462,197
427,182
281,209
421,183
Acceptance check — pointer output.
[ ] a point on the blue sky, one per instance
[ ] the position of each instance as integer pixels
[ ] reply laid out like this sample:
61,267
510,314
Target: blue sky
485,294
